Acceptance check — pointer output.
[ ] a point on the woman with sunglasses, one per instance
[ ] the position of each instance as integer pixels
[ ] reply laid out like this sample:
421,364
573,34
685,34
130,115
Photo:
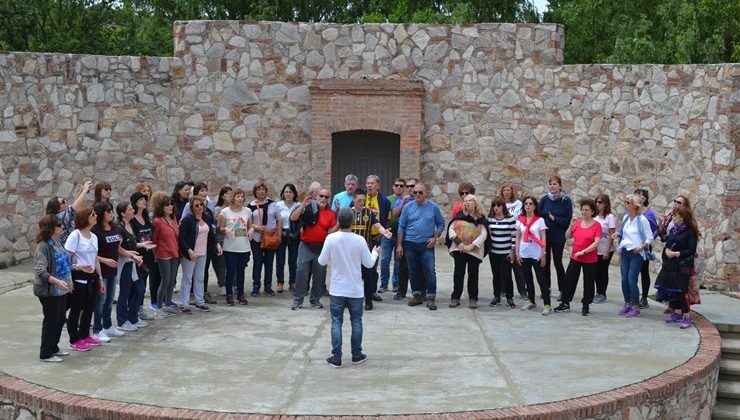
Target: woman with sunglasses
634,239
530,252
666,222
467,241
131,287
52,283
196,240
102,194
82,246
678,265
165,235
464,189
109,241
648,213
66,212
606,247
502,227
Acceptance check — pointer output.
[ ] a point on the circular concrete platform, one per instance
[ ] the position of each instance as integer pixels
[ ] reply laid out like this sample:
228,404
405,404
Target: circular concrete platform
265,358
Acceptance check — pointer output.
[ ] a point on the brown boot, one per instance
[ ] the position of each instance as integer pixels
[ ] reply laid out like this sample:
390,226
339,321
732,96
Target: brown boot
431,304
416,301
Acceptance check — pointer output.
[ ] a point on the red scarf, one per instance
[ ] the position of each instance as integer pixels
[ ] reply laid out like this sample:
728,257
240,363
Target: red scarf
528,235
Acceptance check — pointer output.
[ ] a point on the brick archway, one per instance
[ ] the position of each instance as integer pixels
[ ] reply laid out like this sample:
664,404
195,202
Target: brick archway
393,106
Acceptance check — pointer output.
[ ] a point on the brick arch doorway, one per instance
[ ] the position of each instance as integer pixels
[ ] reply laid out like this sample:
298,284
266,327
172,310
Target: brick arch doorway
363,153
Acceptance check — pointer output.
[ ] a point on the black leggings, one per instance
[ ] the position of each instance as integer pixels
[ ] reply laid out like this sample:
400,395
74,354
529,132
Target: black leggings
501,269
645,275
602,274
82,306
458,278
571,281
529,264
555,251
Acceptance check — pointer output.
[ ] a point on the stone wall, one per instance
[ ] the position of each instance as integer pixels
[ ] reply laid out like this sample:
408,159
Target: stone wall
234,106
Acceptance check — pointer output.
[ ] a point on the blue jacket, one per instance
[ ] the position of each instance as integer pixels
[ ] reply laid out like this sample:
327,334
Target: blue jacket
384,205
562,209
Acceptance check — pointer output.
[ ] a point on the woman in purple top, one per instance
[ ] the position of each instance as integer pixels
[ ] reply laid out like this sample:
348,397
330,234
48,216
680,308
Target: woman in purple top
645,270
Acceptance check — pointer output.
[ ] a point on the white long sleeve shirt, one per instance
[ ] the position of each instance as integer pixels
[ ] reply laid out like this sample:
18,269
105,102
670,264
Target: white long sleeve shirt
631,237
345,251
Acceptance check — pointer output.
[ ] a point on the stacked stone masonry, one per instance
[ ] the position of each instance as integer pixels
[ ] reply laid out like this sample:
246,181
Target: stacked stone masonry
234,105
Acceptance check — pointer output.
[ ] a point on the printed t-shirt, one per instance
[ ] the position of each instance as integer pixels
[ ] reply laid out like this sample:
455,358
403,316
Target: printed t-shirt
236,222
362,223
582,239
610,222
108,243
530,248
84,249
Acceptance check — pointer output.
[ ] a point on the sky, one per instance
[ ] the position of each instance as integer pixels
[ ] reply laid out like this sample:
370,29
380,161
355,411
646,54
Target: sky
541,5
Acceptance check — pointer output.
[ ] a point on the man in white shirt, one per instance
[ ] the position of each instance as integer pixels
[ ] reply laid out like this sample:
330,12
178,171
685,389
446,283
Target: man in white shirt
346,251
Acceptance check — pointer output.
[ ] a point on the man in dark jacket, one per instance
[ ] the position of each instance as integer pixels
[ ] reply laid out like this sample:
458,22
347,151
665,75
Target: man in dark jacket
376,201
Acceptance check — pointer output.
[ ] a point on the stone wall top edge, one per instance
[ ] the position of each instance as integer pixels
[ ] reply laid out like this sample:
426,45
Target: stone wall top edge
734,67
71,57
491,25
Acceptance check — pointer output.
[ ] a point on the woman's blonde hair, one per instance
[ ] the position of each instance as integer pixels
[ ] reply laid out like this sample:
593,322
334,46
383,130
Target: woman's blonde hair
478,212
636,200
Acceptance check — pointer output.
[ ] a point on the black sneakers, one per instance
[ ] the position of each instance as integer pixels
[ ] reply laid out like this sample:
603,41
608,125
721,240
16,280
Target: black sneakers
334,362
563,307
584,310
362,358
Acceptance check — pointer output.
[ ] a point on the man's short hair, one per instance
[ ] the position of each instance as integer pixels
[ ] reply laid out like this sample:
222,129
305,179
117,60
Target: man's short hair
375,177
350,177
358,191
345,218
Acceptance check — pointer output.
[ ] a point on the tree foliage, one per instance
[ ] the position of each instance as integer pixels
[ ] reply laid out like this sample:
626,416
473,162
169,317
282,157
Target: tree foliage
624,31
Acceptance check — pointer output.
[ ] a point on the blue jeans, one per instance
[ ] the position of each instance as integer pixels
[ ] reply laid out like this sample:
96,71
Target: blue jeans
130,294
336,309
236,263
104,306
290,247
262,257
420,259
629,267
387,246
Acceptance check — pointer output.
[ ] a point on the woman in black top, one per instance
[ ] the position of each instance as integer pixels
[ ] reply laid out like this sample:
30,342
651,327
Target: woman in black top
180,196
678,265
143,231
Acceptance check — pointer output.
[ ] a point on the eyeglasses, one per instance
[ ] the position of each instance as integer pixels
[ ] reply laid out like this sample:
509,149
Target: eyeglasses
498,205
627,202
323,196
93,215
464,193
418,192
107,188
599,202
59,225
398,185
62,202
410,186
529,203
197,205
169,204
678,202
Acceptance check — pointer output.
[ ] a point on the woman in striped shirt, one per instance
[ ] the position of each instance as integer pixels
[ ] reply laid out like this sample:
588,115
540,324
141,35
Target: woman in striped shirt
502,228
514,206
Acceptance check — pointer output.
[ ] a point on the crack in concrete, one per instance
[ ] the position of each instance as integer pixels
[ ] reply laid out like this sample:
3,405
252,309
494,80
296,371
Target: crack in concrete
298,384
505,373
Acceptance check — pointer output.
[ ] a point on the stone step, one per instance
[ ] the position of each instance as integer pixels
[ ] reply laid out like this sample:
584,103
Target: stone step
727,328
731,345
726,411
730,367
729,390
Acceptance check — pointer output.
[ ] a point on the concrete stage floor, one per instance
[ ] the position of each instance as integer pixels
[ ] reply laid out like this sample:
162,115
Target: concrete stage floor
265,358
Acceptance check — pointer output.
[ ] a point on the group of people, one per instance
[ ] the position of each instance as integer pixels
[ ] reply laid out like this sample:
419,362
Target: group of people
85,252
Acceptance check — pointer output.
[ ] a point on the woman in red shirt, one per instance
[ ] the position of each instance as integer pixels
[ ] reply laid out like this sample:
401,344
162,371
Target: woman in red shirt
586,234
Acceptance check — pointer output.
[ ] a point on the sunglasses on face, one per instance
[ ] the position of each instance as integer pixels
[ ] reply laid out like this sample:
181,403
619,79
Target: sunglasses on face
418,192
107,188
398,185
58,225
410,186
529,204
678,202
323,196
464,193
198,205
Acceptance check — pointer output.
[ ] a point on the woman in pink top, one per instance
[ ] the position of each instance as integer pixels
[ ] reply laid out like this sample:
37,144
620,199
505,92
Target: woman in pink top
586,234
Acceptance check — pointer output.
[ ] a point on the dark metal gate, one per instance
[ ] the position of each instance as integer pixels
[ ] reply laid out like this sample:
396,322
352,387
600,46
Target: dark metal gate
363,153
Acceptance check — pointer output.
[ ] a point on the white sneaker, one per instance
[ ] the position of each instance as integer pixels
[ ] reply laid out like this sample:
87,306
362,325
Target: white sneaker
143,314
102,337
161,313
141,324
128,326
529,306
546,311
113,332
222,291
